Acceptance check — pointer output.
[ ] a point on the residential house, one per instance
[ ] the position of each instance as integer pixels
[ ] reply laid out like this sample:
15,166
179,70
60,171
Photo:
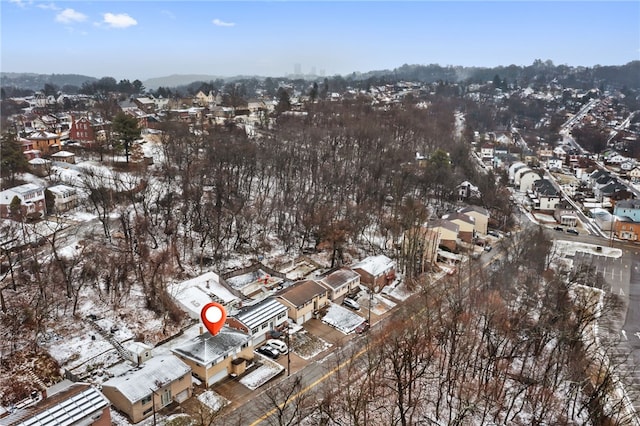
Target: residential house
64,157
527,179
466,226
544,196
44,141
629,208
258,319
31,197
145,104
634,174
82,130
603,219
554,163
340,282
565,214
66,403
153,385
64,197
513,168
467,190
303,299
480,216
256,281
40,166
376,271
193,294
487,151
626,229
608,191
214,358
447,233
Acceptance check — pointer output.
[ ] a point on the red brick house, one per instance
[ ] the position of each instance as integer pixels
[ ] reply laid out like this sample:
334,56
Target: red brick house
376,271
82,130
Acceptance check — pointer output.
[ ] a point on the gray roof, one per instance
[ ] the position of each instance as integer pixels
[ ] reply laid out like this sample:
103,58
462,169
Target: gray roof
77,402
340,278
257,314
152,374
206,348
628,204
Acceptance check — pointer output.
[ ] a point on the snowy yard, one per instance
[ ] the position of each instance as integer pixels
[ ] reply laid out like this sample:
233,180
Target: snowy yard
212,400
342,318
306,345
267,371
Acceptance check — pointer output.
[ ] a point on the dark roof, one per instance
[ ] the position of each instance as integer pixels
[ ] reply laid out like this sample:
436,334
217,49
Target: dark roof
302,292
545,187
612,187
339,278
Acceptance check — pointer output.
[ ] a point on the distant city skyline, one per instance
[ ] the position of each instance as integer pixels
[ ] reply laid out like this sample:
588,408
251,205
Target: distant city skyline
148,39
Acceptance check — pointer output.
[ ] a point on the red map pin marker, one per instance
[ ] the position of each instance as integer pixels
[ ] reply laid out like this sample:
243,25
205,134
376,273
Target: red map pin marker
213,316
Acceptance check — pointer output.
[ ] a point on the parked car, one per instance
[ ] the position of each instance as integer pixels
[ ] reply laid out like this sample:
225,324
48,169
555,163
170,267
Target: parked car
350,303
487,248
278,345
268,351
559,228
494,234
364,326
573,231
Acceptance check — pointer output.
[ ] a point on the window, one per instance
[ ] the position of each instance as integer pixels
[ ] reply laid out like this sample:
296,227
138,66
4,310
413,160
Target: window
147,411
145,400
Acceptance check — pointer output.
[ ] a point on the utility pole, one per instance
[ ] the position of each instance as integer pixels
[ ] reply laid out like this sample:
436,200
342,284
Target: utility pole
288,351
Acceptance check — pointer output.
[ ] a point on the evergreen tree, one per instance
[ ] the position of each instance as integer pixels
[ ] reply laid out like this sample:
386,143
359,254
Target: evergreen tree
127,130
13,160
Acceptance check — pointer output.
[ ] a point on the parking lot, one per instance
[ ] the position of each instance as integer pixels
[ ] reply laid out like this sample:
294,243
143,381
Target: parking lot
614,272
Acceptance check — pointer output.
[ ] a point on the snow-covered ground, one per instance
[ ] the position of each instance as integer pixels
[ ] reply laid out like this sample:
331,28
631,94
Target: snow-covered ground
212,400
342,318
261,375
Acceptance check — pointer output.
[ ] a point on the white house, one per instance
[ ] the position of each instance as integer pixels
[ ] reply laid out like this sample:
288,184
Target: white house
64,197
527,179
193,294
31,197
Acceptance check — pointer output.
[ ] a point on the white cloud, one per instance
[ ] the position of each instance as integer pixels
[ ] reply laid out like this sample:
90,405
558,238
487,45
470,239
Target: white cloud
219,23
168,14
20,3
48,6
68,16
119,20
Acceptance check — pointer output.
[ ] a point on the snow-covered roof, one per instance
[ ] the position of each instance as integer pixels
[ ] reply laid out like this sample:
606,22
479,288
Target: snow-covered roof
205,348
38,161
193,294
255,315
25,188
375,265
62,190
136,384
63,154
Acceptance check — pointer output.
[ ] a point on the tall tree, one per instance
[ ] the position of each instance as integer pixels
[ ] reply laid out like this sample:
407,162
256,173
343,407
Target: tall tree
127,130
12,160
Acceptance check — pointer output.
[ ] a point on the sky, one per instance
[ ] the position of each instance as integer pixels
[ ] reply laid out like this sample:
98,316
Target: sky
145,39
